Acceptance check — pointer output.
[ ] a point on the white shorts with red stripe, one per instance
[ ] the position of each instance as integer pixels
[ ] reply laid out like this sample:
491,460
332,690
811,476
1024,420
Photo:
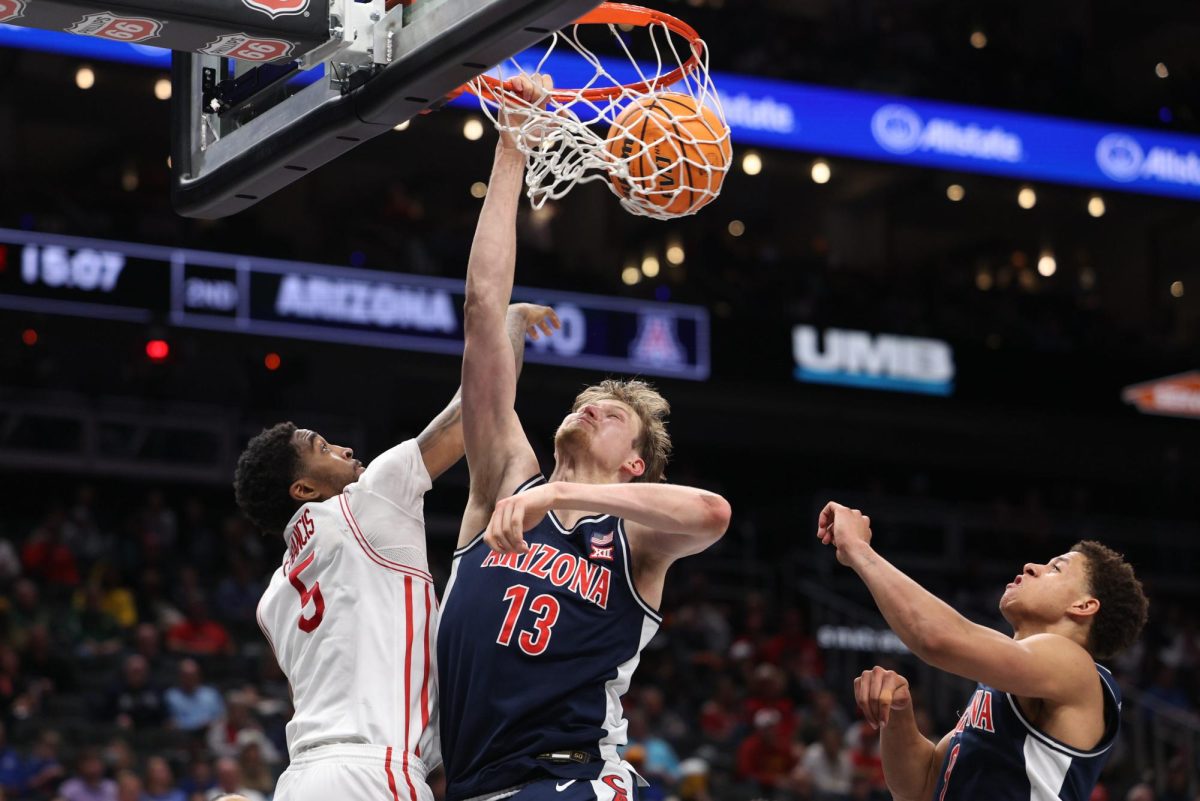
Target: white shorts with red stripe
354,772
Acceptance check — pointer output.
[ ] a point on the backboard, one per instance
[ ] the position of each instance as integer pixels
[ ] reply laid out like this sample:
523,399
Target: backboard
250,115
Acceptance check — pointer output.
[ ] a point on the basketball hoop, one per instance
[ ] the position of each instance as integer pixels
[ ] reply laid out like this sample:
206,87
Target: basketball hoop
671,166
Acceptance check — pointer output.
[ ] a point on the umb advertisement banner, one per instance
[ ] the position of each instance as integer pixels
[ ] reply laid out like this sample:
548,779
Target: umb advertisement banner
845,357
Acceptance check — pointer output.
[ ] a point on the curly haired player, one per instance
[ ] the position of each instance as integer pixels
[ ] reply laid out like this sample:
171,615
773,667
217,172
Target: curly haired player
1044,714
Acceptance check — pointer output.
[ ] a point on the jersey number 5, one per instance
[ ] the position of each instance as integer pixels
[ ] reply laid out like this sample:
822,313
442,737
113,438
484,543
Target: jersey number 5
544,606
307,624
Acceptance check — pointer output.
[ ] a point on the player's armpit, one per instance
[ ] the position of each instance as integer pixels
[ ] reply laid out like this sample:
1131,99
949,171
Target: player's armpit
1045,666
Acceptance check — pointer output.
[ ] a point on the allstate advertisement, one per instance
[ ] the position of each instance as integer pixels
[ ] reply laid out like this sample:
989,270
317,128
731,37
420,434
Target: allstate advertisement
841,122
963,138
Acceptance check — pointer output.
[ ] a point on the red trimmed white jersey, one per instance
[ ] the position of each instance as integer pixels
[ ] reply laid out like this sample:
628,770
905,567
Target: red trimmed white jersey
351,616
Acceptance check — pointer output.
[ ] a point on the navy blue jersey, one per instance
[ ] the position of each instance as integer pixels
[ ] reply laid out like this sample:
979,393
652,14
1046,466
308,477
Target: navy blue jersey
996,754
534,653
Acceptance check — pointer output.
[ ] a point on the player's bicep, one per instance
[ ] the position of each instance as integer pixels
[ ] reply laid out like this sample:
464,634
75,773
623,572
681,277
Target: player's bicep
1044,666
492,433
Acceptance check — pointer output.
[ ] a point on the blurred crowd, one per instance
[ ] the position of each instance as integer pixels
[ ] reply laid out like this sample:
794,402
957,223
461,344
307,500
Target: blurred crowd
132,669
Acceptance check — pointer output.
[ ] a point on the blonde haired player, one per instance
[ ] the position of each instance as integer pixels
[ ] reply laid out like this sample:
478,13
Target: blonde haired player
548,610
351,611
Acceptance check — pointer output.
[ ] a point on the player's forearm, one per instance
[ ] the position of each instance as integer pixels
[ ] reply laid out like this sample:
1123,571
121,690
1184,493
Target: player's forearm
663,507
907,757
921,620
494,249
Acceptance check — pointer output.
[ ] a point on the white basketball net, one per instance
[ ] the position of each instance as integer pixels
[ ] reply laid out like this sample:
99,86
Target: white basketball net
568,142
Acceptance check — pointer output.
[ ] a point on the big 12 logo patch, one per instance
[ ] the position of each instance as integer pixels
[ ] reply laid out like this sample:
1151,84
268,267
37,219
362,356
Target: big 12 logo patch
278,8
248,48
11,9
107,25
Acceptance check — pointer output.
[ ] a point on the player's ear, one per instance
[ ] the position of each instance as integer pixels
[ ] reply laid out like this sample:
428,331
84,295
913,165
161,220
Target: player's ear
634,467
1085,607
303,491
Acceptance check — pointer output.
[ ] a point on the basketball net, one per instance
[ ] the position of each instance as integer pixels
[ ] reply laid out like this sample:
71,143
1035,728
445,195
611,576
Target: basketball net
576,137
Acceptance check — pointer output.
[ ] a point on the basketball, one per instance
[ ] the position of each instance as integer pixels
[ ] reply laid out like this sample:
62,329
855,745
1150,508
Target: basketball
676,149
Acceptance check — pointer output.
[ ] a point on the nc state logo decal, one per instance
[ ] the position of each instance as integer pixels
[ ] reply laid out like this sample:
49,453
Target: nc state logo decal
239,45
107,25
11,9
278,8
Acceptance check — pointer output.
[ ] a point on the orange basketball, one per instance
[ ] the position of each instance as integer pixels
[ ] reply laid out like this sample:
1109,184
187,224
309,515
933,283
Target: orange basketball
676,150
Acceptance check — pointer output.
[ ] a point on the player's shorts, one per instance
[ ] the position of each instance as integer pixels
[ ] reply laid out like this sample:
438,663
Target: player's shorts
354,771
618,782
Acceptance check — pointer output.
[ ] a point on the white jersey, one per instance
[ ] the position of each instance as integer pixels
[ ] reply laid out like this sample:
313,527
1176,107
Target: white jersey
351,616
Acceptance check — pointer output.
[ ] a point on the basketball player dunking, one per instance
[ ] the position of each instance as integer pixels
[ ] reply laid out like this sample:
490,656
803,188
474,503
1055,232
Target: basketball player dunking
351,612
555,584
1043,716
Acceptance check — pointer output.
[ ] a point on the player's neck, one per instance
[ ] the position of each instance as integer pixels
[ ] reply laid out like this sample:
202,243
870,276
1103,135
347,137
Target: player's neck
578,472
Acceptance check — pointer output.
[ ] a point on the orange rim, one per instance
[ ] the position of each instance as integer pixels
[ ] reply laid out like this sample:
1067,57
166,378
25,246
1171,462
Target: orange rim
613,14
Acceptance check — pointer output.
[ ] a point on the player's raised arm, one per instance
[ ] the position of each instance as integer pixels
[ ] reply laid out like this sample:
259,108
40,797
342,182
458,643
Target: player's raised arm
1046,665
441,442
498,454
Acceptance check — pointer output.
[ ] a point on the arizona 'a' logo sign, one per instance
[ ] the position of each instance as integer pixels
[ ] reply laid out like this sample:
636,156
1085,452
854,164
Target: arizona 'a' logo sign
11,9
246,48
278,8
107,25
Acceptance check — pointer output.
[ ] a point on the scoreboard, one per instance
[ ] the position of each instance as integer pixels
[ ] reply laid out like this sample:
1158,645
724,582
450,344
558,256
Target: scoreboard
102,279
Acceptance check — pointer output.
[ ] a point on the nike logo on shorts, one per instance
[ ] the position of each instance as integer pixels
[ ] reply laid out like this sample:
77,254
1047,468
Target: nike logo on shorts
560,786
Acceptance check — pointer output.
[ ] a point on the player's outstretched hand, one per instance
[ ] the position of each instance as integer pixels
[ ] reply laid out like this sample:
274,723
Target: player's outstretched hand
541,319
844,528
514,516
531,91
878,691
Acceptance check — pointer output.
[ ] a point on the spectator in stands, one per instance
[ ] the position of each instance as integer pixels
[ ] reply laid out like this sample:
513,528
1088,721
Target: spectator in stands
829,764
94,630
136,702
228,735
862,740
238,593
199,635
82,533
1140,792
46,558
119,756
824,712
10,562
768,691
720,715
153,604
43,771
147,643
12,767
160,782
766,757
27,611
116,598
199,780
660,765
193,706
129,786
229,782
18,697
90,783
157,526
256,773
44,662
795,650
